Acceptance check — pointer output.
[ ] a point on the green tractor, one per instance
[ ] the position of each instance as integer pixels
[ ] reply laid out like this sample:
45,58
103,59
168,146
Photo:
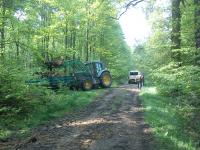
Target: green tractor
100,76
76,75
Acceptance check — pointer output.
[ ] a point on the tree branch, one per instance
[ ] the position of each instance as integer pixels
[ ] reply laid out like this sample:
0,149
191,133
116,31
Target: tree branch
131,3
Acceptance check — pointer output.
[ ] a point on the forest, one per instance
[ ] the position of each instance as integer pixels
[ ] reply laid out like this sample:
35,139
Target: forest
171,59
33,32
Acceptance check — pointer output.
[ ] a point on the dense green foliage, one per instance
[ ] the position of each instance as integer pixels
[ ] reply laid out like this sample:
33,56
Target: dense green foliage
174,70
40,106
167,121
35,32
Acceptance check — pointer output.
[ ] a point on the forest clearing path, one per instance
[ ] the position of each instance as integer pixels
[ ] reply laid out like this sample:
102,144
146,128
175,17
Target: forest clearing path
113,121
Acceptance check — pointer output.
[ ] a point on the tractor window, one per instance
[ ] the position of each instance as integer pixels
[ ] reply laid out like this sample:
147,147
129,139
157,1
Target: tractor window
99,67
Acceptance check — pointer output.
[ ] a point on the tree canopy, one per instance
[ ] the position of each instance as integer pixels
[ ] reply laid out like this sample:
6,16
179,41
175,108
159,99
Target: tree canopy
33,32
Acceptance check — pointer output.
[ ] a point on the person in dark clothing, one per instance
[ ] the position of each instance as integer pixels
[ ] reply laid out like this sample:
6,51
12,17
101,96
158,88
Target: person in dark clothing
139,84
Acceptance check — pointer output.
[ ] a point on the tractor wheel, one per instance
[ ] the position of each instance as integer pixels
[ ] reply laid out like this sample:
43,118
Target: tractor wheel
106,80
77,87
87,85
71,87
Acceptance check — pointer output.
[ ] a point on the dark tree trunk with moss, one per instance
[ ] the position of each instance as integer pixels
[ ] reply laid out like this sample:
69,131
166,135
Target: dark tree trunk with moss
197,30
197,23
2,27
176,27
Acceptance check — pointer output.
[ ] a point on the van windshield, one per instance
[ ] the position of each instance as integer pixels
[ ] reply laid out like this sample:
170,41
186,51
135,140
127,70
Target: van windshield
133,73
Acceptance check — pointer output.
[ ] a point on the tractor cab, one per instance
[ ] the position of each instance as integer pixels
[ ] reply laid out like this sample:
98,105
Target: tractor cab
96,68
100,75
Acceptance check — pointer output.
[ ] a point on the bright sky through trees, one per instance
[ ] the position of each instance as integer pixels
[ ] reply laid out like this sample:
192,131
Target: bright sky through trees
134,25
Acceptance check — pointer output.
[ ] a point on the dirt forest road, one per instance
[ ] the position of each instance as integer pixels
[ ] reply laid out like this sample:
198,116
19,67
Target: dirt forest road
111,122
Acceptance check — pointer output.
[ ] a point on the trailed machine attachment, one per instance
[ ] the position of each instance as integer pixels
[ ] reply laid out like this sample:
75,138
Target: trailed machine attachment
75,74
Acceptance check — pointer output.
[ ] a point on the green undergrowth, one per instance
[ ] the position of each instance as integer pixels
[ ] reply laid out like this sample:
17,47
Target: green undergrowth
168,123
43,106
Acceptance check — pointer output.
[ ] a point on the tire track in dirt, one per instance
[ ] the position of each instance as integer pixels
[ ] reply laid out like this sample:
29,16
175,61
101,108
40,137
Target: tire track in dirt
112,122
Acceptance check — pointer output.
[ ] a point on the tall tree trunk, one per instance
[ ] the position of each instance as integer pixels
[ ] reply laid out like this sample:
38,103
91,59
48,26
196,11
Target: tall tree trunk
197,23
87,30
74,44
94,49
17,47
2,28
87,43
66,35
176,27
71,39
45,17
16,38
197,30
102,41
47,47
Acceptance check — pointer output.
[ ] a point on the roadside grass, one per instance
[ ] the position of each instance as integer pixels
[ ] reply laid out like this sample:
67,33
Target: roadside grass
57,104
166,121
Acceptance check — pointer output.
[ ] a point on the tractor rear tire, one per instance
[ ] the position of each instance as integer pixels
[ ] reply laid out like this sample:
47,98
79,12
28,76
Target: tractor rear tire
87,85
71,87
105,80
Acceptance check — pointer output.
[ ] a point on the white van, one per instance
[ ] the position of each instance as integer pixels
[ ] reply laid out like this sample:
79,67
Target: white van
135,77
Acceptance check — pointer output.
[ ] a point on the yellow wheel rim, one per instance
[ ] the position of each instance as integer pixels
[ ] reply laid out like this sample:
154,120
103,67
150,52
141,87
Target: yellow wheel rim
106,80
88,85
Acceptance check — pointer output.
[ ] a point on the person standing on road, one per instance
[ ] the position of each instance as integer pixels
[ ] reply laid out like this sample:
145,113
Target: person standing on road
139,84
